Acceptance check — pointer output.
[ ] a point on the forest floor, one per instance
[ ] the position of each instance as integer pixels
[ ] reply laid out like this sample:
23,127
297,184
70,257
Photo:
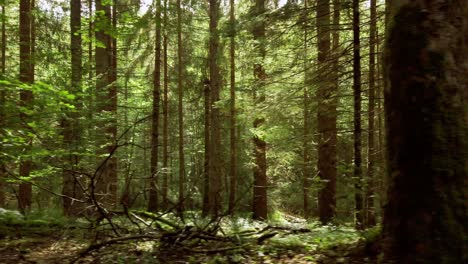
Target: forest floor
291,240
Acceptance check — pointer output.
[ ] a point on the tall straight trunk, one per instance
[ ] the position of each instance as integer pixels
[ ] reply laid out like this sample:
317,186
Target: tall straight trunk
232,91
215,169
371,153
26,97
71,127
260,207
306,170
380,156
113,106
358,196
164,189
92,92
3,174
180,109
426,72
326,117
106,176
153,196
206,133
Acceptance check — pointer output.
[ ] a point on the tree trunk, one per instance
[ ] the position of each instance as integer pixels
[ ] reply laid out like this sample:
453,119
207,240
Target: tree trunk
232,131
165,174
206,165
371,153
3,174
106,175
425,99
71,127
306,169
260,207
180,109
153,196
358,196
215,169
26,97
326,117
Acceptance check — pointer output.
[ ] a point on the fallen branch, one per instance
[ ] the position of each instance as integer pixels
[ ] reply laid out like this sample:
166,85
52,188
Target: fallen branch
116,240
212,251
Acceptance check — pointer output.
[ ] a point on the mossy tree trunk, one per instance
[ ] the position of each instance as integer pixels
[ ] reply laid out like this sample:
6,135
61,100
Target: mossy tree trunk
426,112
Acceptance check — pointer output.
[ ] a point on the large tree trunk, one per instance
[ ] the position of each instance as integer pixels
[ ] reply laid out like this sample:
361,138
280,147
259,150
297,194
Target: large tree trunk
260,208
26,97
153,195
326,117
427,115
371,153
358,196
180,109
232,131
71,127
106,176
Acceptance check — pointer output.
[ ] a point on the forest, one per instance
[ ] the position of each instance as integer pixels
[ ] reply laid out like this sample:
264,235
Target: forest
234,131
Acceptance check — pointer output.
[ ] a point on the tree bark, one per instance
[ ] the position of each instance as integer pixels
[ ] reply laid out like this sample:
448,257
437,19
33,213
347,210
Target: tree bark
164,189
180,109
206,165
358,196
26,97
306,169
215,164
326,117
153,195
71,127
3,174
260,207
106,176
425,99
371,153
232,131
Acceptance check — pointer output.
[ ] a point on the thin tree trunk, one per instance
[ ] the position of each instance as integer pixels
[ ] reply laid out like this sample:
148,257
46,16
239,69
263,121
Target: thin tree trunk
71,126
215,170
232,131
426,73
206,165
358,197
260,207
3,174
306,170
165,114
326,117
380,157
153,197
180,109
370,191
113,177
26,97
